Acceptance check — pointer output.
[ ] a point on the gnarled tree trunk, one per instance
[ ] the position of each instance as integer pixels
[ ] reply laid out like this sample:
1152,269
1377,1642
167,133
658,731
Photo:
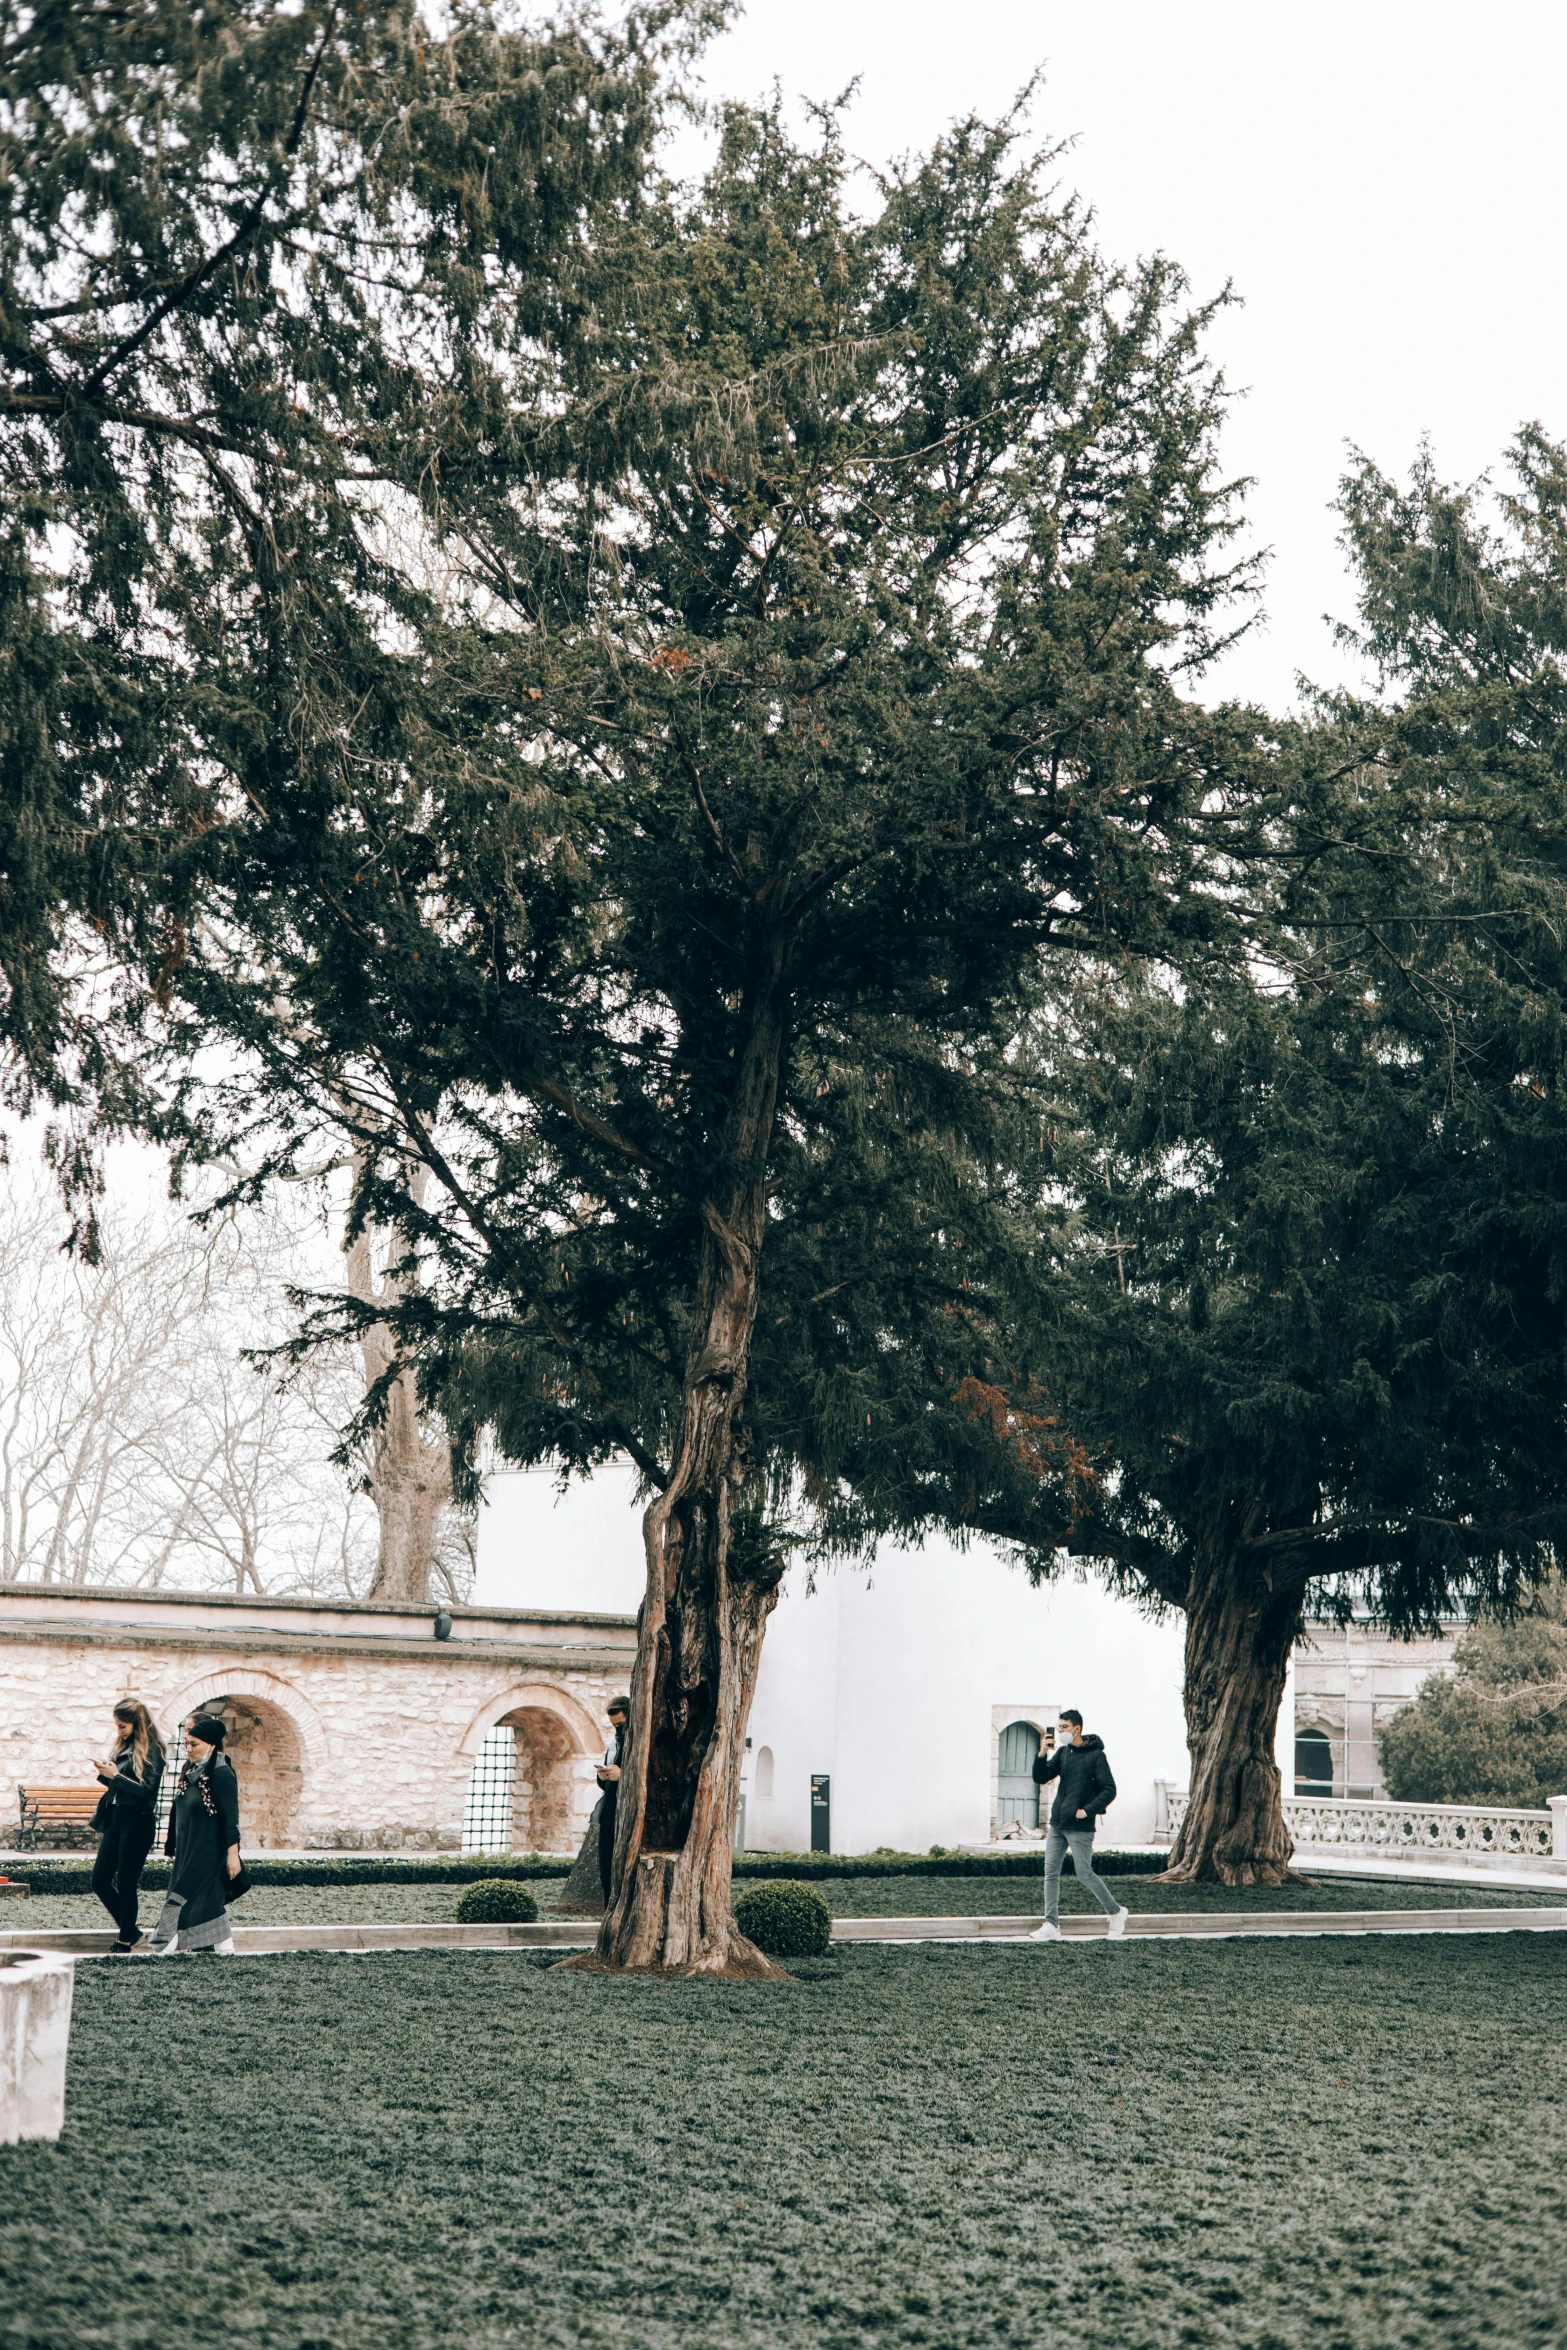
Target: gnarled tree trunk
1239,1634
699,1632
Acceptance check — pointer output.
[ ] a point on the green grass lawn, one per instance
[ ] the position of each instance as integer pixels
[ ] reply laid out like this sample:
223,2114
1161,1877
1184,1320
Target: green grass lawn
850,1897
1271,2146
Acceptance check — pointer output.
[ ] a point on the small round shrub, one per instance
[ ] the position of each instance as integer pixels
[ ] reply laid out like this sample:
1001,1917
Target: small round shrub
785,1918
496,1901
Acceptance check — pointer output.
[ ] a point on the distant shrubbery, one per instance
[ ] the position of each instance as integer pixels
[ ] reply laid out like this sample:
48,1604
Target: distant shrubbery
785,1918
1495,1733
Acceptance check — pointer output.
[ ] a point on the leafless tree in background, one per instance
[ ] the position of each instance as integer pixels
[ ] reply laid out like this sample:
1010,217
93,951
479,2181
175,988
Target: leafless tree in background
410,1467
139,1443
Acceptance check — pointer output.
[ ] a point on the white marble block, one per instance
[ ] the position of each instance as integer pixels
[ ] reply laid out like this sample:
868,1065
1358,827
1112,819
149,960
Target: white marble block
35,2031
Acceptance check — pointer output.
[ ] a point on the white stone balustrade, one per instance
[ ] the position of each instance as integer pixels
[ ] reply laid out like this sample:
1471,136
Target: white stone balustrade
35,2031
1473,1833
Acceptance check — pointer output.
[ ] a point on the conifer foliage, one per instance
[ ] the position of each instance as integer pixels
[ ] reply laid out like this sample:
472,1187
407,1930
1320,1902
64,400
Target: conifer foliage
1301,1290
264,269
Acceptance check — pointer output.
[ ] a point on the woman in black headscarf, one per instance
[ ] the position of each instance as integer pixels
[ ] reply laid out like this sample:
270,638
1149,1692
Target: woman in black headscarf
203,1842
127,1814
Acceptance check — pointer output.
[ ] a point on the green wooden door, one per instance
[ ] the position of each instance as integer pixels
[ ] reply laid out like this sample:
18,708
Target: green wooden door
1017,1798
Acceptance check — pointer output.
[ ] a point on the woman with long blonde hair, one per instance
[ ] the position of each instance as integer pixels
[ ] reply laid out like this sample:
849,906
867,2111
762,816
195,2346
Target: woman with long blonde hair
127,1815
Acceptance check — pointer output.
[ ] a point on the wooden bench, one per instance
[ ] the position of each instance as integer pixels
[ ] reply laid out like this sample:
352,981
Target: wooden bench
54,1807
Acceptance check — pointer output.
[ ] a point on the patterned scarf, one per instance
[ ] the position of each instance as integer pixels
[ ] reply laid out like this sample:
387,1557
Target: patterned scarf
202,1774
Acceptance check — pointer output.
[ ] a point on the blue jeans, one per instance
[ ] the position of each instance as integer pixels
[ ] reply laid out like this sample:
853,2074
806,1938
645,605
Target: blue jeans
1081,1841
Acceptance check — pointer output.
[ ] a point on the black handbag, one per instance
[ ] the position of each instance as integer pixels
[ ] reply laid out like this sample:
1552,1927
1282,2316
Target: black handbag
233,1887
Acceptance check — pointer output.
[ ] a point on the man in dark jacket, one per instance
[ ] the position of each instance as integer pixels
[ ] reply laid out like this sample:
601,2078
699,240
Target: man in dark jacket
1084,1792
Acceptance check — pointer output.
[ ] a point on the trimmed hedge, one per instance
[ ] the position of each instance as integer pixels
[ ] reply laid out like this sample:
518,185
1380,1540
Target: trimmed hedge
330,1868
785,1918
69,1875
496,1901
1027,1860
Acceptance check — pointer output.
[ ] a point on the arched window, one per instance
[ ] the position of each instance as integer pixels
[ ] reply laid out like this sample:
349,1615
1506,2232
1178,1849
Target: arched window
764,1773
1017,1798
1313,1763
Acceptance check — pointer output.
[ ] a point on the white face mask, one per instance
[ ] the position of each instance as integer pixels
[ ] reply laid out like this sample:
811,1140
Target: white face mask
1064,1734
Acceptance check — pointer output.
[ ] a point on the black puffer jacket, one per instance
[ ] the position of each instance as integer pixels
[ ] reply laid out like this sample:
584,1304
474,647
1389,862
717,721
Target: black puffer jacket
1086,1785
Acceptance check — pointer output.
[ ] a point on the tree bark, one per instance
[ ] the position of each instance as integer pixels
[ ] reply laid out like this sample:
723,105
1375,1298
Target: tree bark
1239,1634
410,1484
705,1608
410,1472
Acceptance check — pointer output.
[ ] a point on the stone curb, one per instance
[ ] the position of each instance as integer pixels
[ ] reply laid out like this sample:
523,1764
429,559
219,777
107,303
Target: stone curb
1216,1925
255,1940
1145,1926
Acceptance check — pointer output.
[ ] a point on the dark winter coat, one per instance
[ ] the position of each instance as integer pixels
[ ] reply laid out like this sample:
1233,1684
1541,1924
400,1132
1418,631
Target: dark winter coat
128,1802
202,1825
1086,1785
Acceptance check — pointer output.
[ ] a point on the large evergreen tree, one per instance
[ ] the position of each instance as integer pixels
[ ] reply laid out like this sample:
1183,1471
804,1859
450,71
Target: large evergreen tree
1301,1285
660,887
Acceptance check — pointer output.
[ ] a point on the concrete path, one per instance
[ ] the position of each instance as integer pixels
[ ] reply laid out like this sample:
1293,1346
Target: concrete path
253,1941
1143,1926
1212,1925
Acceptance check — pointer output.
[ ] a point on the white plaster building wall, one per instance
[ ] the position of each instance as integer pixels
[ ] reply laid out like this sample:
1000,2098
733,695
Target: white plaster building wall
795,1715
896,1685
541,1548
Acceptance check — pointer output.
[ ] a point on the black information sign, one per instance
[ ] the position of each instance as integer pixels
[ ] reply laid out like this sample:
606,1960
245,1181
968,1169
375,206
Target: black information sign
821,1812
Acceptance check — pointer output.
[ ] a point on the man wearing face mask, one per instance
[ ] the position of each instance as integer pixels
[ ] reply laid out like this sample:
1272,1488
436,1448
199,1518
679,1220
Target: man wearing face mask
1085,1791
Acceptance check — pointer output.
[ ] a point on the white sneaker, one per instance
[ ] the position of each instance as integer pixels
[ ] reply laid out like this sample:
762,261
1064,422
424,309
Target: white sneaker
1046,1933
169,1949
224,1949
1117,1926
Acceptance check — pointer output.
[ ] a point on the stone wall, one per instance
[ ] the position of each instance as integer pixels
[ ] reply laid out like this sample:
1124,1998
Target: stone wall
351,1727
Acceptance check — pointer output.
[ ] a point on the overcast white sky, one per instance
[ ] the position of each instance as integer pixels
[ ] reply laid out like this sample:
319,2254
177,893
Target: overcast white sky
1383,182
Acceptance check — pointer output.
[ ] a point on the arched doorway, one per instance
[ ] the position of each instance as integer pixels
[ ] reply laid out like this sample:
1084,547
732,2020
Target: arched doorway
530,1784
263,1745
543,1782
1017,1797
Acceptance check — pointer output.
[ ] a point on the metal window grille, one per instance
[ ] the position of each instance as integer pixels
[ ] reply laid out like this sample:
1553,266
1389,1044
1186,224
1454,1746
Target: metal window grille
486,1819
173,1764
